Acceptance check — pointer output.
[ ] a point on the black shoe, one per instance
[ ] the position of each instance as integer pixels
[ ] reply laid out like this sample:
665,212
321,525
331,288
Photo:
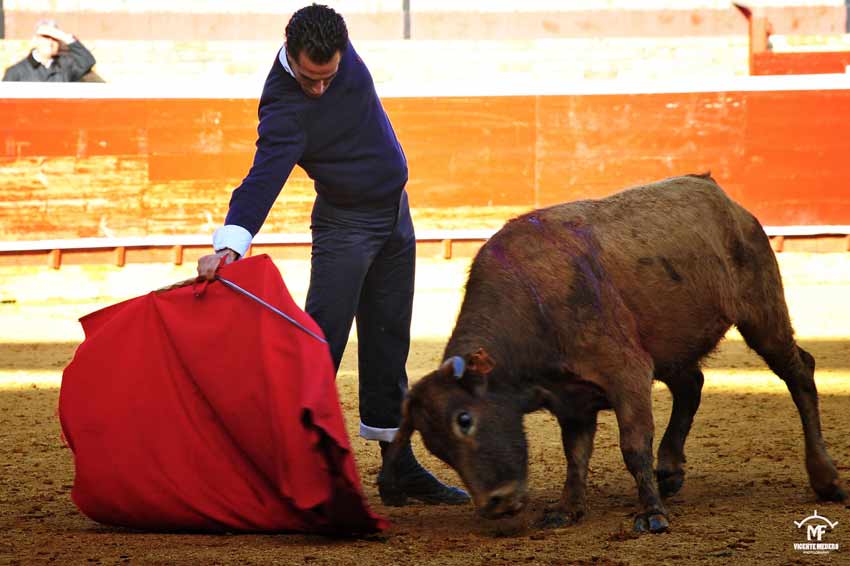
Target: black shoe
413,481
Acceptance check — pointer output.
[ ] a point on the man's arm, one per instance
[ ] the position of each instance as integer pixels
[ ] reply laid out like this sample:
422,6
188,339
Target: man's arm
280,145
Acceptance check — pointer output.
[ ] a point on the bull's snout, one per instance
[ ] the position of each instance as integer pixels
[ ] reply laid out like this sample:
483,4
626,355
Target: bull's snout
507,499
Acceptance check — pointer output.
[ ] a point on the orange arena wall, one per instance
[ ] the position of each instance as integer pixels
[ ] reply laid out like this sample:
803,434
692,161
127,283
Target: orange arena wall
142,164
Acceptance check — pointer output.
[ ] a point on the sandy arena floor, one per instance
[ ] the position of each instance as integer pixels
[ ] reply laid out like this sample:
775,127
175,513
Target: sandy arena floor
746,483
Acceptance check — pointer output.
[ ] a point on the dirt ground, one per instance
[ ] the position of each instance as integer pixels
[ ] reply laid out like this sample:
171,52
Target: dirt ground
746,482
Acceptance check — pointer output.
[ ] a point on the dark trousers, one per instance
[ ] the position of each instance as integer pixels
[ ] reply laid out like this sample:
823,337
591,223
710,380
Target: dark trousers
363,265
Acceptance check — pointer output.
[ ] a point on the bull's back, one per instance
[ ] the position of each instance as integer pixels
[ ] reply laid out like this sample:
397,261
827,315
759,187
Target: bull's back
677,252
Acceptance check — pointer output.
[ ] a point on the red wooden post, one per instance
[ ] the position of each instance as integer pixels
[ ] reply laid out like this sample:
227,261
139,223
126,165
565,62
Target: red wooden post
120,256
54,259
447,249
178,255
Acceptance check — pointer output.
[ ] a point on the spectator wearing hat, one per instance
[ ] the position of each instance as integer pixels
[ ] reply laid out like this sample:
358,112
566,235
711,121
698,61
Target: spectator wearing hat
56,56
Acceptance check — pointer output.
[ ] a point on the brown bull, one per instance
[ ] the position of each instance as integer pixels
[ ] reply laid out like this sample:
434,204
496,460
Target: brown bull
576,308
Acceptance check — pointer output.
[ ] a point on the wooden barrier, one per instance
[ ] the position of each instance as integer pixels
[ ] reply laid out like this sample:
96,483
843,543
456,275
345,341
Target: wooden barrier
106,163
765,61
769,63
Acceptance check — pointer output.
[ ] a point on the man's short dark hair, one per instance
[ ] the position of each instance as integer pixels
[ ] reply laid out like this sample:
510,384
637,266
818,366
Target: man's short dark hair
318,31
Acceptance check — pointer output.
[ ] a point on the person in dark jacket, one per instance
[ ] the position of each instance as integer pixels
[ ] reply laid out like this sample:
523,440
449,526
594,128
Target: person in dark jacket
319,109
56,56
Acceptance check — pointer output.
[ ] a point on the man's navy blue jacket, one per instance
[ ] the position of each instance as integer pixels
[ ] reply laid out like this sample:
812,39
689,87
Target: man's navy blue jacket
343,140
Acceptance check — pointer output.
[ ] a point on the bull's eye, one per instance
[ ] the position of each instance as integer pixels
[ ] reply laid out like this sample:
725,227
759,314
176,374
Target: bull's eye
464,422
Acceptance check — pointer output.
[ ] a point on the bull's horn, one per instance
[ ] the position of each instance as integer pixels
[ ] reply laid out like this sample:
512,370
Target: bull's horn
454,367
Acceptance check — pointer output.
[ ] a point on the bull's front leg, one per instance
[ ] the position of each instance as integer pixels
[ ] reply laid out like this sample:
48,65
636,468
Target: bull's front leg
633,406
577,437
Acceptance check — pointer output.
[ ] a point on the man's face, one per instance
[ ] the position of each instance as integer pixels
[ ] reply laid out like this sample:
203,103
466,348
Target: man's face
47,47
314,78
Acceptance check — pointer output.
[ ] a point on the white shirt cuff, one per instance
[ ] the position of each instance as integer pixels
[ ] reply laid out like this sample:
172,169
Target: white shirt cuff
234,237
372,433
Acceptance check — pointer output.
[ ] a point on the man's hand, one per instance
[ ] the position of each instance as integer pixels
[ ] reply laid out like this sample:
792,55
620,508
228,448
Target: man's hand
208,264
55,33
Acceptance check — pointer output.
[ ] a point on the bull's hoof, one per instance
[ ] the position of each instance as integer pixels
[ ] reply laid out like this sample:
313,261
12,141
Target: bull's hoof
669,481
651,523
556,518
833,492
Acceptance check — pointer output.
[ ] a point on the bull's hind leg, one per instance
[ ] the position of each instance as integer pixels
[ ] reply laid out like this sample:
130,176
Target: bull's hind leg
776,345
686,387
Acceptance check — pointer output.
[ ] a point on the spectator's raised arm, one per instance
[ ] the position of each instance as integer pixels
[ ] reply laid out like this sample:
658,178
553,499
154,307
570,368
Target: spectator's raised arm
81,60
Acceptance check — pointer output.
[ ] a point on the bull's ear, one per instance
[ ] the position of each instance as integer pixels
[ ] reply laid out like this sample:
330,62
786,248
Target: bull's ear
480,362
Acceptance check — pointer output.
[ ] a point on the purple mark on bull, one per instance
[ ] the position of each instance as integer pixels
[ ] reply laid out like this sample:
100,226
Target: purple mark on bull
586,257
588,263
590,277
538,300
499,253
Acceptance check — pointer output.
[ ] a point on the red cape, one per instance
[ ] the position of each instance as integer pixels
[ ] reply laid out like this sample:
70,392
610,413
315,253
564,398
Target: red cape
210,413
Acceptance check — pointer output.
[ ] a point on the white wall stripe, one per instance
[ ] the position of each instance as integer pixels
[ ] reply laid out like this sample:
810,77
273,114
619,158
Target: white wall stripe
503,87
